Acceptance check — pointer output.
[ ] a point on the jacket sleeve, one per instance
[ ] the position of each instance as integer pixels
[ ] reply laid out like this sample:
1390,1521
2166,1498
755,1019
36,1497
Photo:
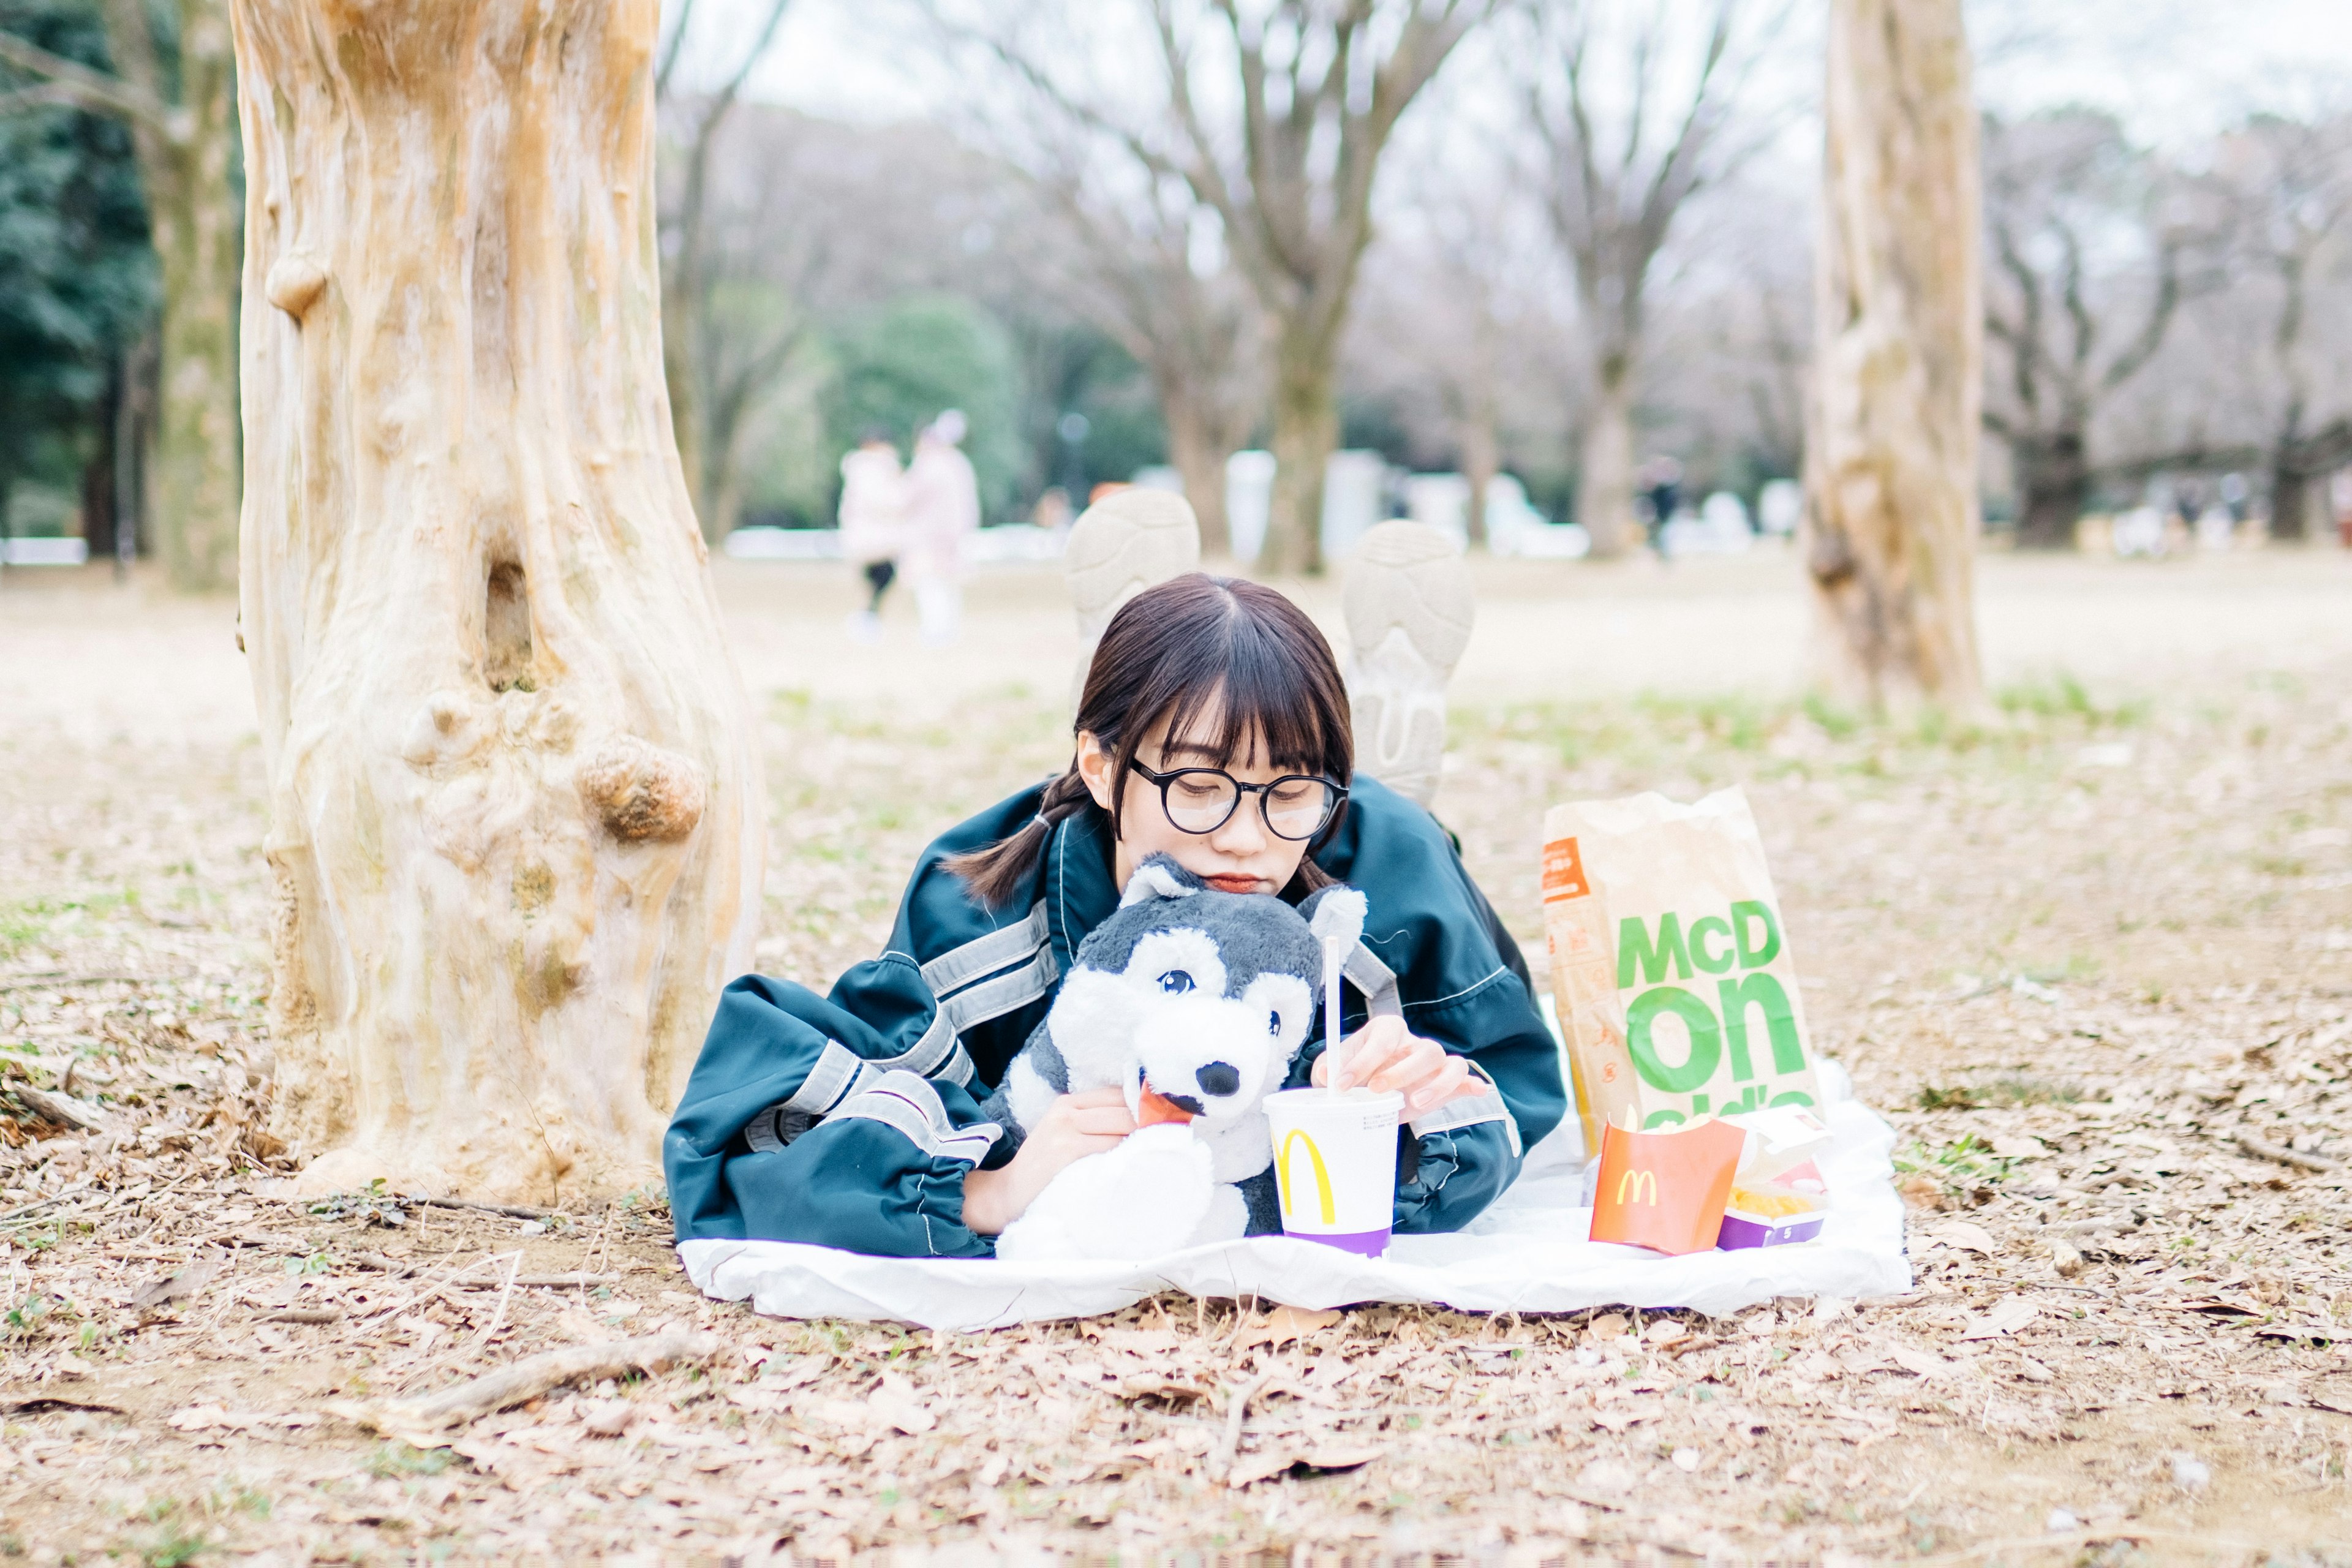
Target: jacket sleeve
1435,953
829,1119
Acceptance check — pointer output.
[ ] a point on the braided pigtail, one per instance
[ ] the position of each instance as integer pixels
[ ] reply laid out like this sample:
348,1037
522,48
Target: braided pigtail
996,874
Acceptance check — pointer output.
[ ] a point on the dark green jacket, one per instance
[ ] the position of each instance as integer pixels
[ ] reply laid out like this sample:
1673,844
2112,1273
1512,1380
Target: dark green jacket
850,1120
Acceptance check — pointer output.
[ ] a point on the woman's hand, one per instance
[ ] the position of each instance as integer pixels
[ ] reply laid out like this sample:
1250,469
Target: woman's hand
1385,1054
1075,1126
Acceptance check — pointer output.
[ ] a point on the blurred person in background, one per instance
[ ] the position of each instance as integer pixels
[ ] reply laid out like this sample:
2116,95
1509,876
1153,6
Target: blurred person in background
873,523
1662,483
943,512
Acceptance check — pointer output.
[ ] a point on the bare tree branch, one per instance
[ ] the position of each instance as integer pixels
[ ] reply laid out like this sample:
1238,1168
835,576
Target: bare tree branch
91,91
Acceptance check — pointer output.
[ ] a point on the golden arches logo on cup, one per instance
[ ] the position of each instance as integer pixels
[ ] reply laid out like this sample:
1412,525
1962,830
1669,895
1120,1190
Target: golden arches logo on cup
1292,1139
1335,1165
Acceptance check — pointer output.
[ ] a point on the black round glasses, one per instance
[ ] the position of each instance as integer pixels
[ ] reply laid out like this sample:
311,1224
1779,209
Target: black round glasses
1202,800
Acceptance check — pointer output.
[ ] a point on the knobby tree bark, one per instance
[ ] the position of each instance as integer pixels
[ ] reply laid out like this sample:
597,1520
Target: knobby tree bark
183,146
516,835
1891,518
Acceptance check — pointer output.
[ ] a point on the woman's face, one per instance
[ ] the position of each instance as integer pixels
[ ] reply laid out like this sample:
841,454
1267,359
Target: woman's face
1242,856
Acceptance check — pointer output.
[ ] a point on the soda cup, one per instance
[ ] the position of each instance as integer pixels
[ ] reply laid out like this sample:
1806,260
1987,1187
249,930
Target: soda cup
1335,1154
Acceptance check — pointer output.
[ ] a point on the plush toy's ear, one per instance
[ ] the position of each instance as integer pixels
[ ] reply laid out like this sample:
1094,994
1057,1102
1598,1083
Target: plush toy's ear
1158,877
1335,914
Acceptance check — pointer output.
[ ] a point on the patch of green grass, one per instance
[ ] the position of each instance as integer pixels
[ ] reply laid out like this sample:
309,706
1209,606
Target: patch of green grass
1836,722
2009,1091
2062,696
1963,1162
392,1461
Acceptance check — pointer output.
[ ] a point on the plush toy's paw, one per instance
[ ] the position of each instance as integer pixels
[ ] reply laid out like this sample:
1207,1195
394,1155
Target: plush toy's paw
1227,1219
1146,1197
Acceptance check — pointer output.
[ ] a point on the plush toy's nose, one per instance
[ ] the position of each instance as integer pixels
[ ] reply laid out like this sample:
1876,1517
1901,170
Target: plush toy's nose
1218,1078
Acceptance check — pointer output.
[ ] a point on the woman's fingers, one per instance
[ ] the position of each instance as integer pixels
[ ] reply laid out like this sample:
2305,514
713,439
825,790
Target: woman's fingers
1449,1081
1102,1121
1096,1098
1414,1063
1370,1049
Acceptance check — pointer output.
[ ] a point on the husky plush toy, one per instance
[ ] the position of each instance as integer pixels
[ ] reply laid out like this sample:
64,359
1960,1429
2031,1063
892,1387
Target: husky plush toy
1195,1004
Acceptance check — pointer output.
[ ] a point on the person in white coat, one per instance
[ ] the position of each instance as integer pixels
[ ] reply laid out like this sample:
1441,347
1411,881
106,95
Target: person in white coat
873,523
943,511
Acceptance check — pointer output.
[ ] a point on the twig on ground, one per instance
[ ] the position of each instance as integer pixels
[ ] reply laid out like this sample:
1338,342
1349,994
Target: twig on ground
505,1294
39,1204
420,1422
512,1211
2282,1155
63,1109
305,1315
1229,1443
66,982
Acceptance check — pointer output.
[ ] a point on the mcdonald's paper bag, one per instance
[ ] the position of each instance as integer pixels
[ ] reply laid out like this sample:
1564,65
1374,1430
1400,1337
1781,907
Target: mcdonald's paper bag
1670,964
1665,1190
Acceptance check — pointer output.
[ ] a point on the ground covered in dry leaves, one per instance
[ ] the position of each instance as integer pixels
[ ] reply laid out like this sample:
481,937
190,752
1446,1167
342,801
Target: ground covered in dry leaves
2093,959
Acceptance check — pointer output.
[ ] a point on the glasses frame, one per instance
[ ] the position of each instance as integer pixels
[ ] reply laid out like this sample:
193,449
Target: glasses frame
1264,793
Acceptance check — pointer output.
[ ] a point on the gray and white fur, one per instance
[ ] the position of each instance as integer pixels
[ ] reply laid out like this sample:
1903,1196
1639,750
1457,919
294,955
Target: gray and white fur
1205,998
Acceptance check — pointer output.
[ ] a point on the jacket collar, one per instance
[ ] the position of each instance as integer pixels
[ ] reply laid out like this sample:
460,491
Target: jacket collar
1079,892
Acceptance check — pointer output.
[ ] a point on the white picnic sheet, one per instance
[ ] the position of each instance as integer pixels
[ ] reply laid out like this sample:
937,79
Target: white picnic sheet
1528,1253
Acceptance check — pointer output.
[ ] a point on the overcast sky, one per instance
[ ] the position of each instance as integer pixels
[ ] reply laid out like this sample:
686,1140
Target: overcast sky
2176,69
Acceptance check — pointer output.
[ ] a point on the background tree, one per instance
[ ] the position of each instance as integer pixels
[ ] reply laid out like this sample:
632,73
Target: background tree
1891,518
1273,115
516,814
76,277
1137,252
172,85
717,352
2290,181
1633,121
2091,241
1319,89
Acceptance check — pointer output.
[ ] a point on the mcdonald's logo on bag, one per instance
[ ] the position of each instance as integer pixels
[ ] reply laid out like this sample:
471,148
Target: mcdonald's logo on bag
1644,1184
1324,1209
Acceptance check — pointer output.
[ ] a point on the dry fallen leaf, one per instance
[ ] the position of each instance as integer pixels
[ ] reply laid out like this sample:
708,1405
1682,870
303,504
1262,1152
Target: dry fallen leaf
1608,1326
1967,1236
2005,1316
1250,1469
1342,1456
1921,1363
1285,1324
176,1287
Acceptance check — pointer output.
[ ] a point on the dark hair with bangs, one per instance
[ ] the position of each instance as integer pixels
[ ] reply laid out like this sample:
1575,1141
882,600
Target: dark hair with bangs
1177,651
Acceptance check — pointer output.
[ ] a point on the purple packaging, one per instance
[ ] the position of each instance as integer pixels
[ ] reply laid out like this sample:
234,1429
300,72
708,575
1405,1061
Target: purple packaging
1741,1230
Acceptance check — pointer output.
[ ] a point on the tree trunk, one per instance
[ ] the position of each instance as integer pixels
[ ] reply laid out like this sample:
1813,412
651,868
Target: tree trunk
516,838
1199,459
2290,498
1604,484
99,475
193,213
682,379
1482,459
1891,518
2053,487
1306,432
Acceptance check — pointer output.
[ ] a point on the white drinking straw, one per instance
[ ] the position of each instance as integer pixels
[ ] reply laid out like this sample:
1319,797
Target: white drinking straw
1332,952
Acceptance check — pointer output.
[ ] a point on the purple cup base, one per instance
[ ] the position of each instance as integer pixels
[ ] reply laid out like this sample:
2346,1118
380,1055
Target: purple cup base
1740,1233
1365,1243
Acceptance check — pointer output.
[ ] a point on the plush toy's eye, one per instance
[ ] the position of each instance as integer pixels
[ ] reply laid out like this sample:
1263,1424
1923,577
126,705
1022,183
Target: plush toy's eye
1274,1023
1176,980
